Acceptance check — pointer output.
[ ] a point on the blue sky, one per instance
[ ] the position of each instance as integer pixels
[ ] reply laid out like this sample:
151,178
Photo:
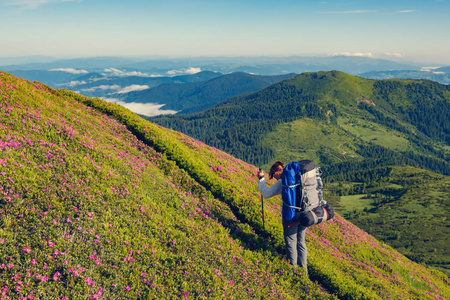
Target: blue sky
414,30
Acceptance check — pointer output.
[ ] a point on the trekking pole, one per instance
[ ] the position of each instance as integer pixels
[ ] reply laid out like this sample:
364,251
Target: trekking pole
262,205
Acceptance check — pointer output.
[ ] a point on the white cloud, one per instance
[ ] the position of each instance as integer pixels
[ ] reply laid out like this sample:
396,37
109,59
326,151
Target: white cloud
393,54
406,11
118,72
117,89
103,87
75,83
368,54
133,88
70,70
189,71
428,69
146,109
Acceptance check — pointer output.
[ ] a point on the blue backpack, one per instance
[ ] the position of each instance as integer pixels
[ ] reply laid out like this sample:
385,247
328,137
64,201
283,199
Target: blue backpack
302,188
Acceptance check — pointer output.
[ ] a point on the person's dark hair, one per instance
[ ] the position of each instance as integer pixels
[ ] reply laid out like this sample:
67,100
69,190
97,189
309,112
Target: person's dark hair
278,165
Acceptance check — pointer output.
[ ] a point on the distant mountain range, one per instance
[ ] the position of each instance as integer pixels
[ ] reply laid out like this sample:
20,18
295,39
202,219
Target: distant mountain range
113,87
254,65
198,96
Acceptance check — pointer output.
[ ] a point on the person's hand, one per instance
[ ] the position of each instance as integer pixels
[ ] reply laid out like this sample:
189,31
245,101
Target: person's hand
260,174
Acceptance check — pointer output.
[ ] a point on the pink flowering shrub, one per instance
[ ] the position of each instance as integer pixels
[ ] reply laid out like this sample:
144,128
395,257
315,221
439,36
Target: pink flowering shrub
97,203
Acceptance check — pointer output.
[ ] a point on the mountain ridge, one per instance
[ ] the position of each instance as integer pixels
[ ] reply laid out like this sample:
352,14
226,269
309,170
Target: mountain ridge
198,96
262,65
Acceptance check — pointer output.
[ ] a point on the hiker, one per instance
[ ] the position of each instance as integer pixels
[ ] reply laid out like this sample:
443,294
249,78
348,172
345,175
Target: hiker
294,233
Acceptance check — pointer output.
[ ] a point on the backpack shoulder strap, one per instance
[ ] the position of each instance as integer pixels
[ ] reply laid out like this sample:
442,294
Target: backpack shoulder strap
291,183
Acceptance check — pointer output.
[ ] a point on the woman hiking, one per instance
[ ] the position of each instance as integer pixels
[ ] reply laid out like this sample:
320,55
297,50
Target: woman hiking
294,233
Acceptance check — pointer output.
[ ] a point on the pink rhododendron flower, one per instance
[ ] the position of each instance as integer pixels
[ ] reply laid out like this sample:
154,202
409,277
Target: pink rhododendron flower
55,277
89,281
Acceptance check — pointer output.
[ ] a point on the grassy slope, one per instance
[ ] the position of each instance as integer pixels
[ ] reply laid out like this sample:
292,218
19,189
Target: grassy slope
331,144
292,141
87,208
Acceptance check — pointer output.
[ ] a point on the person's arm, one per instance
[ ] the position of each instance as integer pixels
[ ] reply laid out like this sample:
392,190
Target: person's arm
266,192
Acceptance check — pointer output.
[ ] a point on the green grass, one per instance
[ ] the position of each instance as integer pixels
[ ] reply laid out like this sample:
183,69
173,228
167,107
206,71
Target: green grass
371,132
355,202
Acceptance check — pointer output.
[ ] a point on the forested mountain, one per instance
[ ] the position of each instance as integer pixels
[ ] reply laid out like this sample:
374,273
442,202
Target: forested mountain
98,203
104,87
346,124
198,96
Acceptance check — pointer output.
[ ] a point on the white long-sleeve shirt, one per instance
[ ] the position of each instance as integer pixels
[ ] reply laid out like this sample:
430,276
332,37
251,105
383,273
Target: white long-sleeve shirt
266,192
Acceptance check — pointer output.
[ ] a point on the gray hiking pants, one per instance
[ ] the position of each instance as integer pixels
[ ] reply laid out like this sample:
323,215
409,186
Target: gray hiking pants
294,236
